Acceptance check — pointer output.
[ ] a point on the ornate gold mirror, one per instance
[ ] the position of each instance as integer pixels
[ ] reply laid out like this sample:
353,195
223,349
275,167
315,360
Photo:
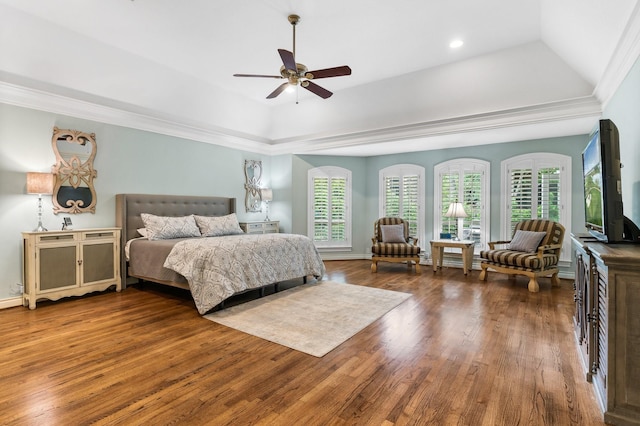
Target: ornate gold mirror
252,176
73,191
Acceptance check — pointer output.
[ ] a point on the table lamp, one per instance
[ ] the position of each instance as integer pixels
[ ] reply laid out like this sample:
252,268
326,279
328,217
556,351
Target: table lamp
456,210
41,184
267,195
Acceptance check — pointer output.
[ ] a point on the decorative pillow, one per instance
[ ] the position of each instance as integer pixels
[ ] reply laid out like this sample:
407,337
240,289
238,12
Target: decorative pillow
527,241
212,226
166,228
392,233
142,231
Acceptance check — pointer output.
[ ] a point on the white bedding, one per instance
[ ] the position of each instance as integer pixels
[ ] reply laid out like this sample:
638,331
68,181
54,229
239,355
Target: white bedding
219,267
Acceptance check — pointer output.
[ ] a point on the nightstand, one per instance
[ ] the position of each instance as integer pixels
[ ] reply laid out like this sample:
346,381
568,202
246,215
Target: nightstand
262,227
69,263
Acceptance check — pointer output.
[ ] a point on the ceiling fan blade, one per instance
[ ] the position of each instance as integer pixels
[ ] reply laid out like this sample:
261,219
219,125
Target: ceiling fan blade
288,60
257,75
314,88
279,90
328,72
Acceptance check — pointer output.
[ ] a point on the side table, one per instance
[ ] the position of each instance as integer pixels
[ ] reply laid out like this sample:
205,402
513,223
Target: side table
437,251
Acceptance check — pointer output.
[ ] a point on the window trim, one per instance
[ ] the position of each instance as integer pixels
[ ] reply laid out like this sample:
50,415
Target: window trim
330,172
400,170
538,160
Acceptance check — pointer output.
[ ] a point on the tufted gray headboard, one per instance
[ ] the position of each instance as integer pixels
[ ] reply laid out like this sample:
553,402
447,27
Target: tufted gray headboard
129,207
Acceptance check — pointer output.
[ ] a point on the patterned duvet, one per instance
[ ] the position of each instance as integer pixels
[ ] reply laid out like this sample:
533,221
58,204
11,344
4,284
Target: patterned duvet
219,267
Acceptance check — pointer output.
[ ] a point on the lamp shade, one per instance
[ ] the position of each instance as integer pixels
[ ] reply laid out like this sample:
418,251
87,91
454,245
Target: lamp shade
456,210
40,183
266,194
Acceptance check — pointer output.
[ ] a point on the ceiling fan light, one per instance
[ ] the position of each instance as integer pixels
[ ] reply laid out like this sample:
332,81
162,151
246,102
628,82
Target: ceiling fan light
290,88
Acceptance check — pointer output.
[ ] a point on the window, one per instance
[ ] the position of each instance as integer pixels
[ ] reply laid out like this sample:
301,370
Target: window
402,195
465,180
329,221
537,186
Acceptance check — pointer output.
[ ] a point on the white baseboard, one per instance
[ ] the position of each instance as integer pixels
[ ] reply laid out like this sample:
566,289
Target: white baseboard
10,303
344,256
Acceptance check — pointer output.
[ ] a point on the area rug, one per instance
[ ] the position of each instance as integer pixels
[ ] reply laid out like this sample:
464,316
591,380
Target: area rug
312,318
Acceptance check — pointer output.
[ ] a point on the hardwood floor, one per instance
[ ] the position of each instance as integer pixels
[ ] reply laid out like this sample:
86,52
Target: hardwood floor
459,351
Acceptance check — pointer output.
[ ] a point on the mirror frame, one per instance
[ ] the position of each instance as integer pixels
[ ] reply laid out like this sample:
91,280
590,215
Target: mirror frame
73,171
253,195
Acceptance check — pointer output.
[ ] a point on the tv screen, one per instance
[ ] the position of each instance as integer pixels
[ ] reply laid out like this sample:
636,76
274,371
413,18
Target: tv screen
604,217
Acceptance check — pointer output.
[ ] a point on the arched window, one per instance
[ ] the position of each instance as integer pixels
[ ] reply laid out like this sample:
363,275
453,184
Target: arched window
537,186
402,195
464,180
329,210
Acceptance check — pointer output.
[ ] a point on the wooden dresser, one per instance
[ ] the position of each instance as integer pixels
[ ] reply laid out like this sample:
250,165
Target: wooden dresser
262,227
607,324
69,263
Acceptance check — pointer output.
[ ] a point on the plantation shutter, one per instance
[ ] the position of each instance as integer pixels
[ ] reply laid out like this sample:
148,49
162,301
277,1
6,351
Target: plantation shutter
321,209
330,209
450,194
521,204
549,193
392,196
537,186
338,208
410,202
402,199
472,201
535,194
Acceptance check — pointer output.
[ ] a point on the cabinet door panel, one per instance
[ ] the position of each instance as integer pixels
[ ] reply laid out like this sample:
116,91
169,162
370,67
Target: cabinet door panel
57,267
97,262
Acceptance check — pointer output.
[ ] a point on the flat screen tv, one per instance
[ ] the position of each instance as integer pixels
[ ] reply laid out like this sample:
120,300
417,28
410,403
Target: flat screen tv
604,217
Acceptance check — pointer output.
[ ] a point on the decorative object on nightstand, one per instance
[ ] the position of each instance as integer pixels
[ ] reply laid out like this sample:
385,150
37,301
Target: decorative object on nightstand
456,210
69,263
267,196
265,227
41,184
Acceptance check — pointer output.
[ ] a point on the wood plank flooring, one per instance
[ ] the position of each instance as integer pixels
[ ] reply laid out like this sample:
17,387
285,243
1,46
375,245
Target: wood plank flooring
458,352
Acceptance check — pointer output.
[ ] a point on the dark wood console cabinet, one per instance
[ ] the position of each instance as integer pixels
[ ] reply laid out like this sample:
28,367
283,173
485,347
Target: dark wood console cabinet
607,324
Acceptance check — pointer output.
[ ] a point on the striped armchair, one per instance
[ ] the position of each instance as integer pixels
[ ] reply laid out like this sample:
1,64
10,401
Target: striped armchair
391,243
538,260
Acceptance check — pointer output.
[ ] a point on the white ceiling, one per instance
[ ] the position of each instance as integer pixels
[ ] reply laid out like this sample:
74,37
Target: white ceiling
528,69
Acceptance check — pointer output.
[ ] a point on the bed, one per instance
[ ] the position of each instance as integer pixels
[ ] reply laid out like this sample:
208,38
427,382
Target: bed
211,268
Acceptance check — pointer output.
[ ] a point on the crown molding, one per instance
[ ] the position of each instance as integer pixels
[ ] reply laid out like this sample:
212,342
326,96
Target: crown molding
41,100
543,113
570,109
624,57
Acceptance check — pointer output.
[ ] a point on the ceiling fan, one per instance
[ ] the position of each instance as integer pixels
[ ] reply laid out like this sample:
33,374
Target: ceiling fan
297,73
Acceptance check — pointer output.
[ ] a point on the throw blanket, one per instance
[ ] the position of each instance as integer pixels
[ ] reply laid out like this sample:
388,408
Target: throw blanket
219,267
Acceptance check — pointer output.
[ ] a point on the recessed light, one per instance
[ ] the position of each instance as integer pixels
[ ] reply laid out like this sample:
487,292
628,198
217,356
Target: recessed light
456,43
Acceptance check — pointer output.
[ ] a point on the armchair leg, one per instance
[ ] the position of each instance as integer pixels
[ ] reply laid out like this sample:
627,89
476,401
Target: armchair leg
483,272
555,282
418,271
533,285
374,266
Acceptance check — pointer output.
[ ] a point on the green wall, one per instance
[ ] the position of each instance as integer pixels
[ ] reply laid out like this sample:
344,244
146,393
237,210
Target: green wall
135,161
127,161
624,110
